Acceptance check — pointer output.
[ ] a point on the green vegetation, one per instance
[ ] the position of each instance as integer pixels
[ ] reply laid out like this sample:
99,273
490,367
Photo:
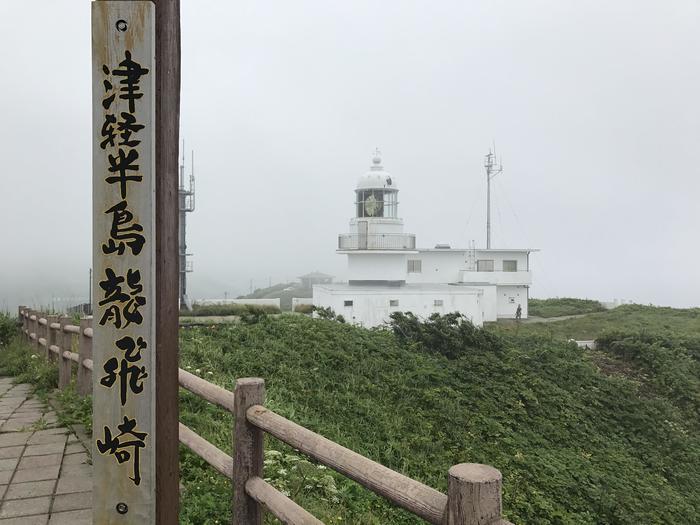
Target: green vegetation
630,318
580,439
304,308
562,306
604,437
17,360
221,310
282,291
8,328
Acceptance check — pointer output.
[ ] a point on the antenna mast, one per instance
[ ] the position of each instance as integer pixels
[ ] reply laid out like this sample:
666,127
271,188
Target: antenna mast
186,205
493,168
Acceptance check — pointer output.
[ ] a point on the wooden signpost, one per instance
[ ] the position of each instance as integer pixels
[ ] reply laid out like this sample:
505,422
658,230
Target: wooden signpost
124,338
136,107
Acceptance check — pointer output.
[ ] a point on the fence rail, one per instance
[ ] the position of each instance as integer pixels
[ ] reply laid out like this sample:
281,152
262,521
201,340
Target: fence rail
474,490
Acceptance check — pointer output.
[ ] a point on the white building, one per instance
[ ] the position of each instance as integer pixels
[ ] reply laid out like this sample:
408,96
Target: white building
387,273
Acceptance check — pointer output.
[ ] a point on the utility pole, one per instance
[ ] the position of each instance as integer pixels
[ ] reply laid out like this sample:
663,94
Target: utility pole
493,168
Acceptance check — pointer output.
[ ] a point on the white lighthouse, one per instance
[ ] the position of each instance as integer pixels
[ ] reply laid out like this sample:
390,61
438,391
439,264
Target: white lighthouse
377,246
387,273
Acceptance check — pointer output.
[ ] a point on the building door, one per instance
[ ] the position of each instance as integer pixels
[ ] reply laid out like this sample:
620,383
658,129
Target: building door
362,235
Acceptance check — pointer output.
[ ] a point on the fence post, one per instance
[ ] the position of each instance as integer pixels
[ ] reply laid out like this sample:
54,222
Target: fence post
27,313
473,495
51,335
85,352
248,450
25,323
66,344
35,329
20,318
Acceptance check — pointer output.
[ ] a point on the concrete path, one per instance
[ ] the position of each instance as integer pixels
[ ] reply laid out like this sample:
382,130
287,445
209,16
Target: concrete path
45,474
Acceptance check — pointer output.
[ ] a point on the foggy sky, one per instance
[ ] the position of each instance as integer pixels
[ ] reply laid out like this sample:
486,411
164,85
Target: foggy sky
593,107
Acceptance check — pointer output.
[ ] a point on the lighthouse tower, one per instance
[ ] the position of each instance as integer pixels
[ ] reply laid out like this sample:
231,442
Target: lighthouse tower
377,246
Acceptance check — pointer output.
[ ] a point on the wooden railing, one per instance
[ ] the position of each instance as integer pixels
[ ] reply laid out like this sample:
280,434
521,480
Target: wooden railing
474,490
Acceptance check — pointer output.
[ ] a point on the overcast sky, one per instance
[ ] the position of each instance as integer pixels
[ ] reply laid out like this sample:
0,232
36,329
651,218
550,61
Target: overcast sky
593,107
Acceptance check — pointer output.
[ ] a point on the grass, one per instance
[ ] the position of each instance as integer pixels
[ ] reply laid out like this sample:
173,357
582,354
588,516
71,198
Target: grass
284,291
631,318
220,310
605,437
576,444
561,306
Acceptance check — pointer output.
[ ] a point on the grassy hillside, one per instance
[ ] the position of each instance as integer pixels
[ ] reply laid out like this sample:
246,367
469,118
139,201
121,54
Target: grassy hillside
630,318
284,291
562,306
611,437
604,437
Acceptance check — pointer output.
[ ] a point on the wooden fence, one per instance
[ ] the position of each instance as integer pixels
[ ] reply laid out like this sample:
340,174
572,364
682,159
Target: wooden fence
474,490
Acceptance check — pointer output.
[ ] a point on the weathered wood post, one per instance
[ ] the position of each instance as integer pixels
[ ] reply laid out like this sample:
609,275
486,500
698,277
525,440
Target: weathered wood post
248,448
36,327
136,86
65,345
473,495
35,330
167,259
51,338
85,352
20,318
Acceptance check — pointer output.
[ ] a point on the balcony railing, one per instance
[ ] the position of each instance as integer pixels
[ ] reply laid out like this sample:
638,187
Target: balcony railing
377,241
519,278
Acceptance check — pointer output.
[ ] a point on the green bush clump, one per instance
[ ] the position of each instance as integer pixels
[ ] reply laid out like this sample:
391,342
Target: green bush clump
563,306
327,313
18,361
450,335
670,366
8,328
304,308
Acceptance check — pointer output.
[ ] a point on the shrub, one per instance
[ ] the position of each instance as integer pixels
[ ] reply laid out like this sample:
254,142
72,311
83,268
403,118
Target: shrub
450,335
8,328
304,308
327,313
17,360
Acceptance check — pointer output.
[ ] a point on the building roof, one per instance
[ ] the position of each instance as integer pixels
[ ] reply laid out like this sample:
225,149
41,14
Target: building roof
478,249
377,177
316,275
409,288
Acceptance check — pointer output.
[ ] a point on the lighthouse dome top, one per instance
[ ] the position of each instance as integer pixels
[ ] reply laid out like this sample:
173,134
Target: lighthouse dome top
377,177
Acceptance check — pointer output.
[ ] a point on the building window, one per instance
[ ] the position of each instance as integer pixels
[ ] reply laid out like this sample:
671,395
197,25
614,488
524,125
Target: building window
415,266
347,303
437,302
484,265
393,302
510,266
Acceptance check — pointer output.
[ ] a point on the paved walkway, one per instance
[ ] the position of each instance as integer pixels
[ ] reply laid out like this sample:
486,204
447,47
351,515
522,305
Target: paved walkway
45,475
